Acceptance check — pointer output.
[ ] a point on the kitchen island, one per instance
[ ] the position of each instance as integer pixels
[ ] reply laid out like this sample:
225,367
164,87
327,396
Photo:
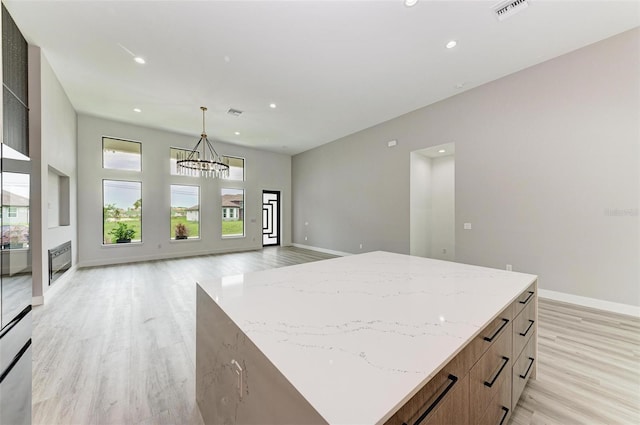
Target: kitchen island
367,339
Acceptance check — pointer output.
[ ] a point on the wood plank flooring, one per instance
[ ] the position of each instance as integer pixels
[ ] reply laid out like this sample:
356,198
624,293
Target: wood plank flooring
116,345
588,368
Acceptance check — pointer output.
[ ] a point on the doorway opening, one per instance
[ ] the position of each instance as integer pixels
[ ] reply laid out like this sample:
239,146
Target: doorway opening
432,202
270,217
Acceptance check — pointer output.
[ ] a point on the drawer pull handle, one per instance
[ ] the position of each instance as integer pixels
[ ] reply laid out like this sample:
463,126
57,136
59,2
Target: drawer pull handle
433,405
531,322
495,334
531,360
504,415
528,298
505,360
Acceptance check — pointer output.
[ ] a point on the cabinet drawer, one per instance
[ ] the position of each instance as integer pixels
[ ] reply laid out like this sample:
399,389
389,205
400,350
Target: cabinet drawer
443,400
490,334
489,373
499,409
523,368
524,325
525,299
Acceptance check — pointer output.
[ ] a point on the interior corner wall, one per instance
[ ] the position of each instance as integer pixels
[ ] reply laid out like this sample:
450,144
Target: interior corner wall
263,171
547,171
52,138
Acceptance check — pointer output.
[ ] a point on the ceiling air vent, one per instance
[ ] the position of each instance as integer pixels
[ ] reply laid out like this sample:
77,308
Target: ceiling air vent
234,112
506,9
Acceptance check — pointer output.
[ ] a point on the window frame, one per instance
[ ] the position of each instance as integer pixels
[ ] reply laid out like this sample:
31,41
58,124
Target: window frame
189,238
138,241
230,215
121,140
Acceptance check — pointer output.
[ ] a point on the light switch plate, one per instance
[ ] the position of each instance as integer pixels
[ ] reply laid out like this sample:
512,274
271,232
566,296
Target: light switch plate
467,226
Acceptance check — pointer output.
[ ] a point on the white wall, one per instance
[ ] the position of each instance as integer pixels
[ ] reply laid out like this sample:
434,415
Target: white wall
52,139
443,218
547,171
263,170
432,201
420,205
53,199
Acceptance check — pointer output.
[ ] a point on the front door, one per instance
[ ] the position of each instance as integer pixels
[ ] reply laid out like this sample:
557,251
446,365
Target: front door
270,217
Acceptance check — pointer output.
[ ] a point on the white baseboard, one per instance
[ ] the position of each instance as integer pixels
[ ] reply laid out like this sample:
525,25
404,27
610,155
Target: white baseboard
326,251
39,300
629,310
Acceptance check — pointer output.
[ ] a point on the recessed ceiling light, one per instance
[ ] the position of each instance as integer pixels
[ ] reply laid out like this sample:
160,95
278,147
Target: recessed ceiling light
237,133
410,3
273,106
451,44
441,151
137,110
139,60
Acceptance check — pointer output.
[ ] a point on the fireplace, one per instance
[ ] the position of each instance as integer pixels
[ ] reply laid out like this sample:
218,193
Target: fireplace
59,261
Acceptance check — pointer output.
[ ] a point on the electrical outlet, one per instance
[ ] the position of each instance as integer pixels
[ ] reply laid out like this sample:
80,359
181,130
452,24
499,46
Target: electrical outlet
509,268
360,246
305,238
444,250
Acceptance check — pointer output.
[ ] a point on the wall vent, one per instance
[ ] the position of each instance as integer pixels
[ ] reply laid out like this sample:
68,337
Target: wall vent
506,9
234,112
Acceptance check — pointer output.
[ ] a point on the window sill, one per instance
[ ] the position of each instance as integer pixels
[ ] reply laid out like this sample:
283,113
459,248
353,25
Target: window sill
234,237
112,245
172,240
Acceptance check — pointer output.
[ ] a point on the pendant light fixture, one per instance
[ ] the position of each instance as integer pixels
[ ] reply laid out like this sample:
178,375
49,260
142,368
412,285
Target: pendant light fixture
203,160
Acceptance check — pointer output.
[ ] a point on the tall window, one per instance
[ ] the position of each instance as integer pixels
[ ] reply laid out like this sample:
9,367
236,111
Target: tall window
122,211
15,210
232,212
236,168
120,154
185,212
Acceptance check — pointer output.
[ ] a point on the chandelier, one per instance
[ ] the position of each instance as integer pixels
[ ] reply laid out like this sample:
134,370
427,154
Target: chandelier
203,160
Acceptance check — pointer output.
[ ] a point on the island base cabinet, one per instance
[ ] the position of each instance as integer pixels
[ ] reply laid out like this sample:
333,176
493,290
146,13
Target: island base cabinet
235,382
444,400
489,374
524,368
499,409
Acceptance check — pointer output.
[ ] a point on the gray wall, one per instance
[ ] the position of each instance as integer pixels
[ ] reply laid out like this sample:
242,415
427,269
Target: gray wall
546,171
52,139
263,170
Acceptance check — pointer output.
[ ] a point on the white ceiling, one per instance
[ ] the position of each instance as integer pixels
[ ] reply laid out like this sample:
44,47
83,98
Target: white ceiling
332,67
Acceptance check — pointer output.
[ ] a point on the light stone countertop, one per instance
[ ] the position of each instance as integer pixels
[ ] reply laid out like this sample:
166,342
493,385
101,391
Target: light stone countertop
357,336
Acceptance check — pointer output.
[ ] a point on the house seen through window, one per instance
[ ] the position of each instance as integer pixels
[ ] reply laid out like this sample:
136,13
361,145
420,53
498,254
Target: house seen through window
232,212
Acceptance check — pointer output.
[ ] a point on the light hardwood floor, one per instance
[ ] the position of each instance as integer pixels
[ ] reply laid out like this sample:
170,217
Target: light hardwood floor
116,345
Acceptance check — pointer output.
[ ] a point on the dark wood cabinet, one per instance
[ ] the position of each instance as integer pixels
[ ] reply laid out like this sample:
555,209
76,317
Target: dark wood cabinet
15,93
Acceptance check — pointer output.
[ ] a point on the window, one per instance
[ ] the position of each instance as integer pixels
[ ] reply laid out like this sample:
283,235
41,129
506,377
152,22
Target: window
15,211
236,168
121,211
121,154
185,212
232,212
173,161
